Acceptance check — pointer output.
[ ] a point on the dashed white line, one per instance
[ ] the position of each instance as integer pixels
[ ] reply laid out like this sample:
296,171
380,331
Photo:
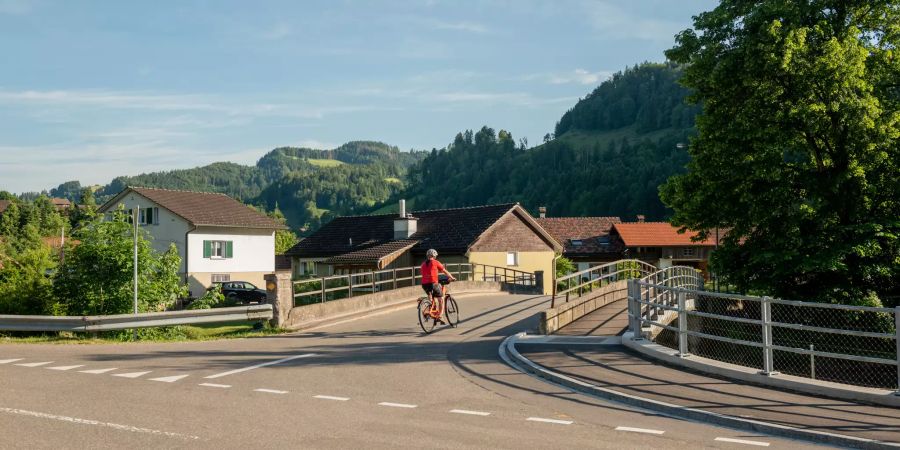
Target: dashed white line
742,441
257,366
65,367
556,421
22,412
271,391
222,386
98,371
471,413
398,405
330,397
7,361
130,374
171,379
37,364
640,430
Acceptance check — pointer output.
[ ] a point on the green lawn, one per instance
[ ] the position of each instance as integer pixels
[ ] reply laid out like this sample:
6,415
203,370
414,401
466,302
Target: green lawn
325,162
392,180
205,332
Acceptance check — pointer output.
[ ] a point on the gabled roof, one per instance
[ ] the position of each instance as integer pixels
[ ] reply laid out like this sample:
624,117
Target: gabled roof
379,255
203,208
582,235
658,234
450,231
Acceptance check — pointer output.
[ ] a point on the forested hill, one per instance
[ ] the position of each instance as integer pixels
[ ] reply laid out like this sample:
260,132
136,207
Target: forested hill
611,152
307,185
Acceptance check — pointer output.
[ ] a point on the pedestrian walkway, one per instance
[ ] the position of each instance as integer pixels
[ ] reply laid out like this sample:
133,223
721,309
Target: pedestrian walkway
608,320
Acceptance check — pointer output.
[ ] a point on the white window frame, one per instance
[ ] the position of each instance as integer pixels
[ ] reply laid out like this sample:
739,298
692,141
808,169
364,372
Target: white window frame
515,259
214,246
220,278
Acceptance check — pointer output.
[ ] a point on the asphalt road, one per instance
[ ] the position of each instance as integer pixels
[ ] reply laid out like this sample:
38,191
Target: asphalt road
376,382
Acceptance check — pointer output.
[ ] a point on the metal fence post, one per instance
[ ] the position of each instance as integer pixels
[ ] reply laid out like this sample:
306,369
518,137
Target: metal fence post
323,289
395,278
350,286
768,357
682,325
812,362
897,338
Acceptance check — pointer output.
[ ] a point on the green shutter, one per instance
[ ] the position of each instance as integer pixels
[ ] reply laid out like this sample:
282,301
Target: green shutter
229,250
207,249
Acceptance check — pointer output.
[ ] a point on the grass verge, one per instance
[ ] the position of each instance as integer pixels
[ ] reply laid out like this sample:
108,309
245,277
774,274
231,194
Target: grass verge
183,333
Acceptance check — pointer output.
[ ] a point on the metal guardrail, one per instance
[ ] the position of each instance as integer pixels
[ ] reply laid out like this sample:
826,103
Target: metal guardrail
337,287
857,345
130,321
584,281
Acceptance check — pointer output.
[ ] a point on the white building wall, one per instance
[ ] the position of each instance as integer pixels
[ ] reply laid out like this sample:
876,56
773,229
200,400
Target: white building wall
171,228
253,250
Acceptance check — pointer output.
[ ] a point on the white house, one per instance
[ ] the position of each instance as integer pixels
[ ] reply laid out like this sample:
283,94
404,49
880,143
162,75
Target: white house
218,237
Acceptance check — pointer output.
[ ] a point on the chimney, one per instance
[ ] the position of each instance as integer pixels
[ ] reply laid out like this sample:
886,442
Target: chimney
640,218
405,225
542,212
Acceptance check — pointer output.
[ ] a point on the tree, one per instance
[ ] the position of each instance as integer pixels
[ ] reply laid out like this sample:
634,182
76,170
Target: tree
26,267
797,152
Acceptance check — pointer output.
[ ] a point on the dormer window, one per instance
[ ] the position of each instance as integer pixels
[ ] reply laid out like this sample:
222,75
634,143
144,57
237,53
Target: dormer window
603,240
576,242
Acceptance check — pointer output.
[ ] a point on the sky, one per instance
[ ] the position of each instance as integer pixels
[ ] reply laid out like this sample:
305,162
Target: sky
90,90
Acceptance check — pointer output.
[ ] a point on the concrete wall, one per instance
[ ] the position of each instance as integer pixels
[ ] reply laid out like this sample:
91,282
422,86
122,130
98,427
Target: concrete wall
528,262
565,313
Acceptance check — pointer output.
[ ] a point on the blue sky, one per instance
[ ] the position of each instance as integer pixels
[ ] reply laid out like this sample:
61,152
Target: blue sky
94,89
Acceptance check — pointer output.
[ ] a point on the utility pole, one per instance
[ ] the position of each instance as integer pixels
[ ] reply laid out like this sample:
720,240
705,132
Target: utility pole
134,221
62,245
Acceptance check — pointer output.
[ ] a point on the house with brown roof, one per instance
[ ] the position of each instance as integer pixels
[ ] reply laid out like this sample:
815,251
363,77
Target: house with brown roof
219,238
496,235
586,241
660,244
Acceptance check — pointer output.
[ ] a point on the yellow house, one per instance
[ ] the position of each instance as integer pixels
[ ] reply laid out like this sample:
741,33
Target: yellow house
501,236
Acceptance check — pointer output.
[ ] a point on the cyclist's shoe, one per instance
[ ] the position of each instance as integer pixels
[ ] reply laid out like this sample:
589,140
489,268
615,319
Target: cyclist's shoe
439,322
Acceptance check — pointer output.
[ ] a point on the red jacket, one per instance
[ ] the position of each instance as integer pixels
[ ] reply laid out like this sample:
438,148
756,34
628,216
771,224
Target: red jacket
430,270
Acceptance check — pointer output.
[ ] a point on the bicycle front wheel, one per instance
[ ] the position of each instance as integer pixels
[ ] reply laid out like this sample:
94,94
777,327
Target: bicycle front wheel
425,319
451,311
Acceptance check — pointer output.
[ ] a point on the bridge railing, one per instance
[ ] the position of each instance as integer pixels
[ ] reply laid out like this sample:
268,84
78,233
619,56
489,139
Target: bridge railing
856,345
337,287
585,281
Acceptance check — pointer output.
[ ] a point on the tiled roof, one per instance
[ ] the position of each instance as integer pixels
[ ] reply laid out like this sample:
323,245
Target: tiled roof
61,202
657,234
4,204
282,262
379,255
204,208
449,231
582,236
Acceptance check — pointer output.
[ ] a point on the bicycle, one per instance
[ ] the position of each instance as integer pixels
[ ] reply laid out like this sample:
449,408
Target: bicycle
429,312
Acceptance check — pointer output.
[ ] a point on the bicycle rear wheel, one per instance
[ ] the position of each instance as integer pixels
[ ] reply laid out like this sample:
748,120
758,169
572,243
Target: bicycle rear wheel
451,311
425,319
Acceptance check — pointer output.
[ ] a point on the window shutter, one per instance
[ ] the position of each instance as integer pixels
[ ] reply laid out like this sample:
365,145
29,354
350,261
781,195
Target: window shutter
229,250
207,249
155,216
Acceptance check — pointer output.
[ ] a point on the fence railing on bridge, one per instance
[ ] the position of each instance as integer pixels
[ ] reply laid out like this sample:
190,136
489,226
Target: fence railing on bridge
578,283
337,287
857,345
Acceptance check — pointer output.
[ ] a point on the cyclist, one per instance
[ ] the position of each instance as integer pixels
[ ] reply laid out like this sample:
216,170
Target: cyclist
430,284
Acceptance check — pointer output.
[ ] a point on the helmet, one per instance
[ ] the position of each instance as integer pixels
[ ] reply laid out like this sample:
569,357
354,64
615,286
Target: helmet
431,252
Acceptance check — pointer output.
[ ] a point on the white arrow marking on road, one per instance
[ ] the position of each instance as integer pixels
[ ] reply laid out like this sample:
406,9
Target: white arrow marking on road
171,379
131,374
96,371
471,413
556,421
7,361
397,405
270,363
65,367
35,364
741,441
639,430
329,397
223,386
271,391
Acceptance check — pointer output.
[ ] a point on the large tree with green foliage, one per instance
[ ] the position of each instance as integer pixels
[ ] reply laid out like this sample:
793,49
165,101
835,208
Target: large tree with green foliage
797,152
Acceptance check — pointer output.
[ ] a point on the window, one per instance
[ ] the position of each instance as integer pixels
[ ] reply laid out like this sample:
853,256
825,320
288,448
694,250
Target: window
148,216
221,278
603,240
576,242
512,258
687,252
218,249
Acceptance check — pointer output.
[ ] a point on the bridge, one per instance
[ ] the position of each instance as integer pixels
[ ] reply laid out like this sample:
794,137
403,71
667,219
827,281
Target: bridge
372,379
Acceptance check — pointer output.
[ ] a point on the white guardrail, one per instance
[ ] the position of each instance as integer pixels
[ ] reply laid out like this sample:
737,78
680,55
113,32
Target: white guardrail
129,321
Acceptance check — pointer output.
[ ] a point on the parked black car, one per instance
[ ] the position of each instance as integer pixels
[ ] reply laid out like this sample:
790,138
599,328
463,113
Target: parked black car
243,291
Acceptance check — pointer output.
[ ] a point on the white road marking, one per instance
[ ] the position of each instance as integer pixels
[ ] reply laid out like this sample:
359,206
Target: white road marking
541,419
7,361
223,386
96,371
471,413
130,374
329,397
639,430
232,372
22,412
65,367
742,441
398,405
35,364
171,379
271,391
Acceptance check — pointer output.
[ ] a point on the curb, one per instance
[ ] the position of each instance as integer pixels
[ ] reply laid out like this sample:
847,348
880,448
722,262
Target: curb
512,357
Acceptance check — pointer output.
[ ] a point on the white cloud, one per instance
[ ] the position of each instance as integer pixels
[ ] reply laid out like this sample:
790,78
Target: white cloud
579,76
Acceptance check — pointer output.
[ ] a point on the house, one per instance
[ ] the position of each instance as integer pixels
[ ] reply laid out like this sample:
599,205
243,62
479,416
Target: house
660,244
219,238
497,235
61,204
586,241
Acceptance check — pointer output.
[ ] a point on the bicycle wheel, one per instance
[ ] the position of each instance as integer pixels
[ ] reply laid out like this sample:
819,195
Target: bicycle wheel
425,319
451,311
